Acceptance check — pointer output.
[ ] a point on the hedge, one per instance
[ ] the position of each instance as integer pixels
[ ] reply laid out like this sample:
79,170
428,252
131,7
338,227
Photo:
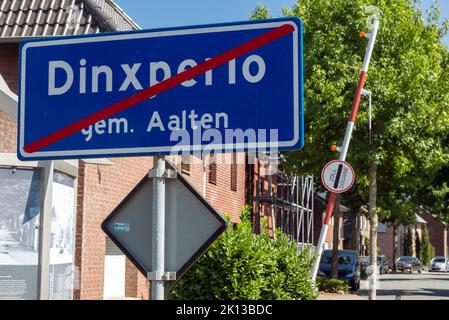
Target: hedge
246,266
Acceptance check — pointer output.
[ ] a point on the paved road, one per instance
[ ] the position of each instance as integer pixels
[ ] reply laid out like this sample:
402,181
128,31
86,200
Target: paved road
415,286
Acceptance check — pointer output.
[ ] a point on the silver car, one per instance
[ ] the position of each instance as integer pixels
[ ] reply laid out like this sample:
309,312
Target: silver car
439,264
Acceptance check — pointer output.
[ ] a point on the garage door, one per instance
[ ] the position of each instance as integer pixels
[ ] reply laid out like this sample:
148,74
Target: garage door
114,272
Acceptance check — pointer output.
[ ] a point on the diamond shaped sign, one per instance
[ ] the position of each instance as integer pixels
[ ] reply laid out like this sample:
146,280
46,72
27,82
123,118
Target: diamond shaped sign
192,225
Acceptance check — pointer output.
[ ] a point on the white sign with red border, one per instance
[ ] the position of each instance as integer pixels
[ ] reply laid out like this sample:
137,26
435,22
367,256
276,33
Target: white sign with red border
338,176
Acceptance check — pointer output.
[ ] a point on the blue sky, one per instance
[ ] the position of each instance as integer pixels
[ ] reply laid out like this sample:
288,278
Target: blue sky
170,13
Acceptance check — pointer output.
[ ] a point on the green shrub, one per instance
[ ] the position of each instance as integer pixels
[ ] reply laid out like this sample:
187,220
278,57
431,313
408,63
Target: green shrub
333,285
428,251
243,265
408,243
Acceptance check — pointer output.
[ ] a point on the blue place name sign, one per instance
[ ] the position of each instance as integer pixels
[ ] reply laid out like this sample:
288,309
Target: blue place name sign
226,87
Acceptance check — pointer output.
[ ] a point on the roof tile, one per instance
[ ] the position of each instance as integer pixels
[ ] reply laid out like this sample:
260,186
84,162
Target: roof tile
4,5
39,18
55,4
2,18
15,5
34,5
25,18
45,4
6,31
50,17
37,30
20,18
31,17
24,5
9,17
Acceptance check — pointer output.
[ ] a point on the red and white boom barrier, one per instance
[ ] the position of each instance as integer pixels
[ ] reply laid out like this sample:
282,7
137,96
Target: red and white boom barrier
344,149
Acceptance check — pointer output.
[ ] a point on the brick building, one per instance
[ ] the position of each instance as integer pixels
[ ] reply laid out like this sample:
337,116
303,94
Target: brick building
386,241
320,205
280,201
71,197
438,233
438,236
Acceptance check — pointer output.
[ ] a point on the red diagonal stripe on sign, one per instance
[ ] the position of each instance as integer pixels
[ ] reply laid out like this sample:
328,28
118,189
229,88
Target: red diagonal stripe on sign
160,87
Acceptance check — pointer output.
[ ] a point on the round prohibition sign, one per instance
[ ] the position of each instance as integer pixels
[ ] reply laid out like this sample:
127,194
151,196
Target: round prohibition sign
338,176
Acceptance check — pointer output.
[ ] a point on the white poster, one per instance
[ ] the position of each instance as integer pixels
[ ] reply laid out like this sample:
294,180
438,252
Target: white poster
62,238
20,199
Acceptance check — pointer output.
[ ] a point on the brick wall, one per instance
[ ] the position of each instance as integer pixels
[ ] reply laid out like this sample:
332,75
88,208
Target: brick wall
385,243
437,233
9,62
8,134
8,70
101,188
136,284
221,196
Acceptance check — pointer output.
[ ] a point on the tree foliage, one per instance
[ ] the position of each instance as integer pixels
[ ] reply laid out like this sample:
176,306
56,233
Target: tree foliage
408,243
427,249
409,81
418,248
243,265
407,73
435,196
260,12
400,211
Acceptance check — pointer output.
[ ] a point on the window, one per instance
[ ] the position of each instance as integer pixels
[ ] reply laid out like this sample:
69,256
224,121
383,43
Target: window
234,172
213,170
342,258
185,165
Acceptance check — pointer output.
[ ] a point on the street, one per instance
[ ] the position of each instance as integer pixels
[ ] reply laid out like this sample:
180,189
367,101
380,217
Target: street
402,286
415,286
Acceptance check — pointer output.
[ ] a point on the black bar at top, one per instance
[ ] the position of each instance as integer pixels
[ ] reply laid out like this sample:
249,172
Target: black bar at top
337,179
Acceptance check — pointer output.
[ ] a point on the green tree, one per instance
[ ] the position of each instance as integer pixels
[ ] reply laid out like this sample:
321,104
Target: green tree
260,12
427,250
408,242
435,196
409,80
418,245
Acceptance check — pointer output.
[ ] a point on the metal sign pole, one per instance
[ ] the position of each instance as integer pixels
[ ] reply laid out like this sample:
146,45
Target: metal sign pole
45,231
157,284
345,146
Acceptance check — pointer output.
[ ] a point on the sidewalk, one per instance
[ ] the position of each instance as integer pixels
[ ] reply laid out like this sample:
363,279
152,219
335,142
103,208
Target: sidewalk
338,296
361,294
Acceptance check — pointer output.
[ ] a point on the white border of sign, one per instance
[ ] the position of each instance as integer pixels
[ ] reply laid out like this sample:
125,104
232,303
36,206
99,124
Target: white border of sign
331,188
164,149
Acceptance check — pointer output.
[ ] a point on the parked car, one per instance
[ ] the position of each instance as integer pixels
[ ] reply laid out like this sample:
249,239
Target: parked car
383,266
364,263
439,264
348,266
409,263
